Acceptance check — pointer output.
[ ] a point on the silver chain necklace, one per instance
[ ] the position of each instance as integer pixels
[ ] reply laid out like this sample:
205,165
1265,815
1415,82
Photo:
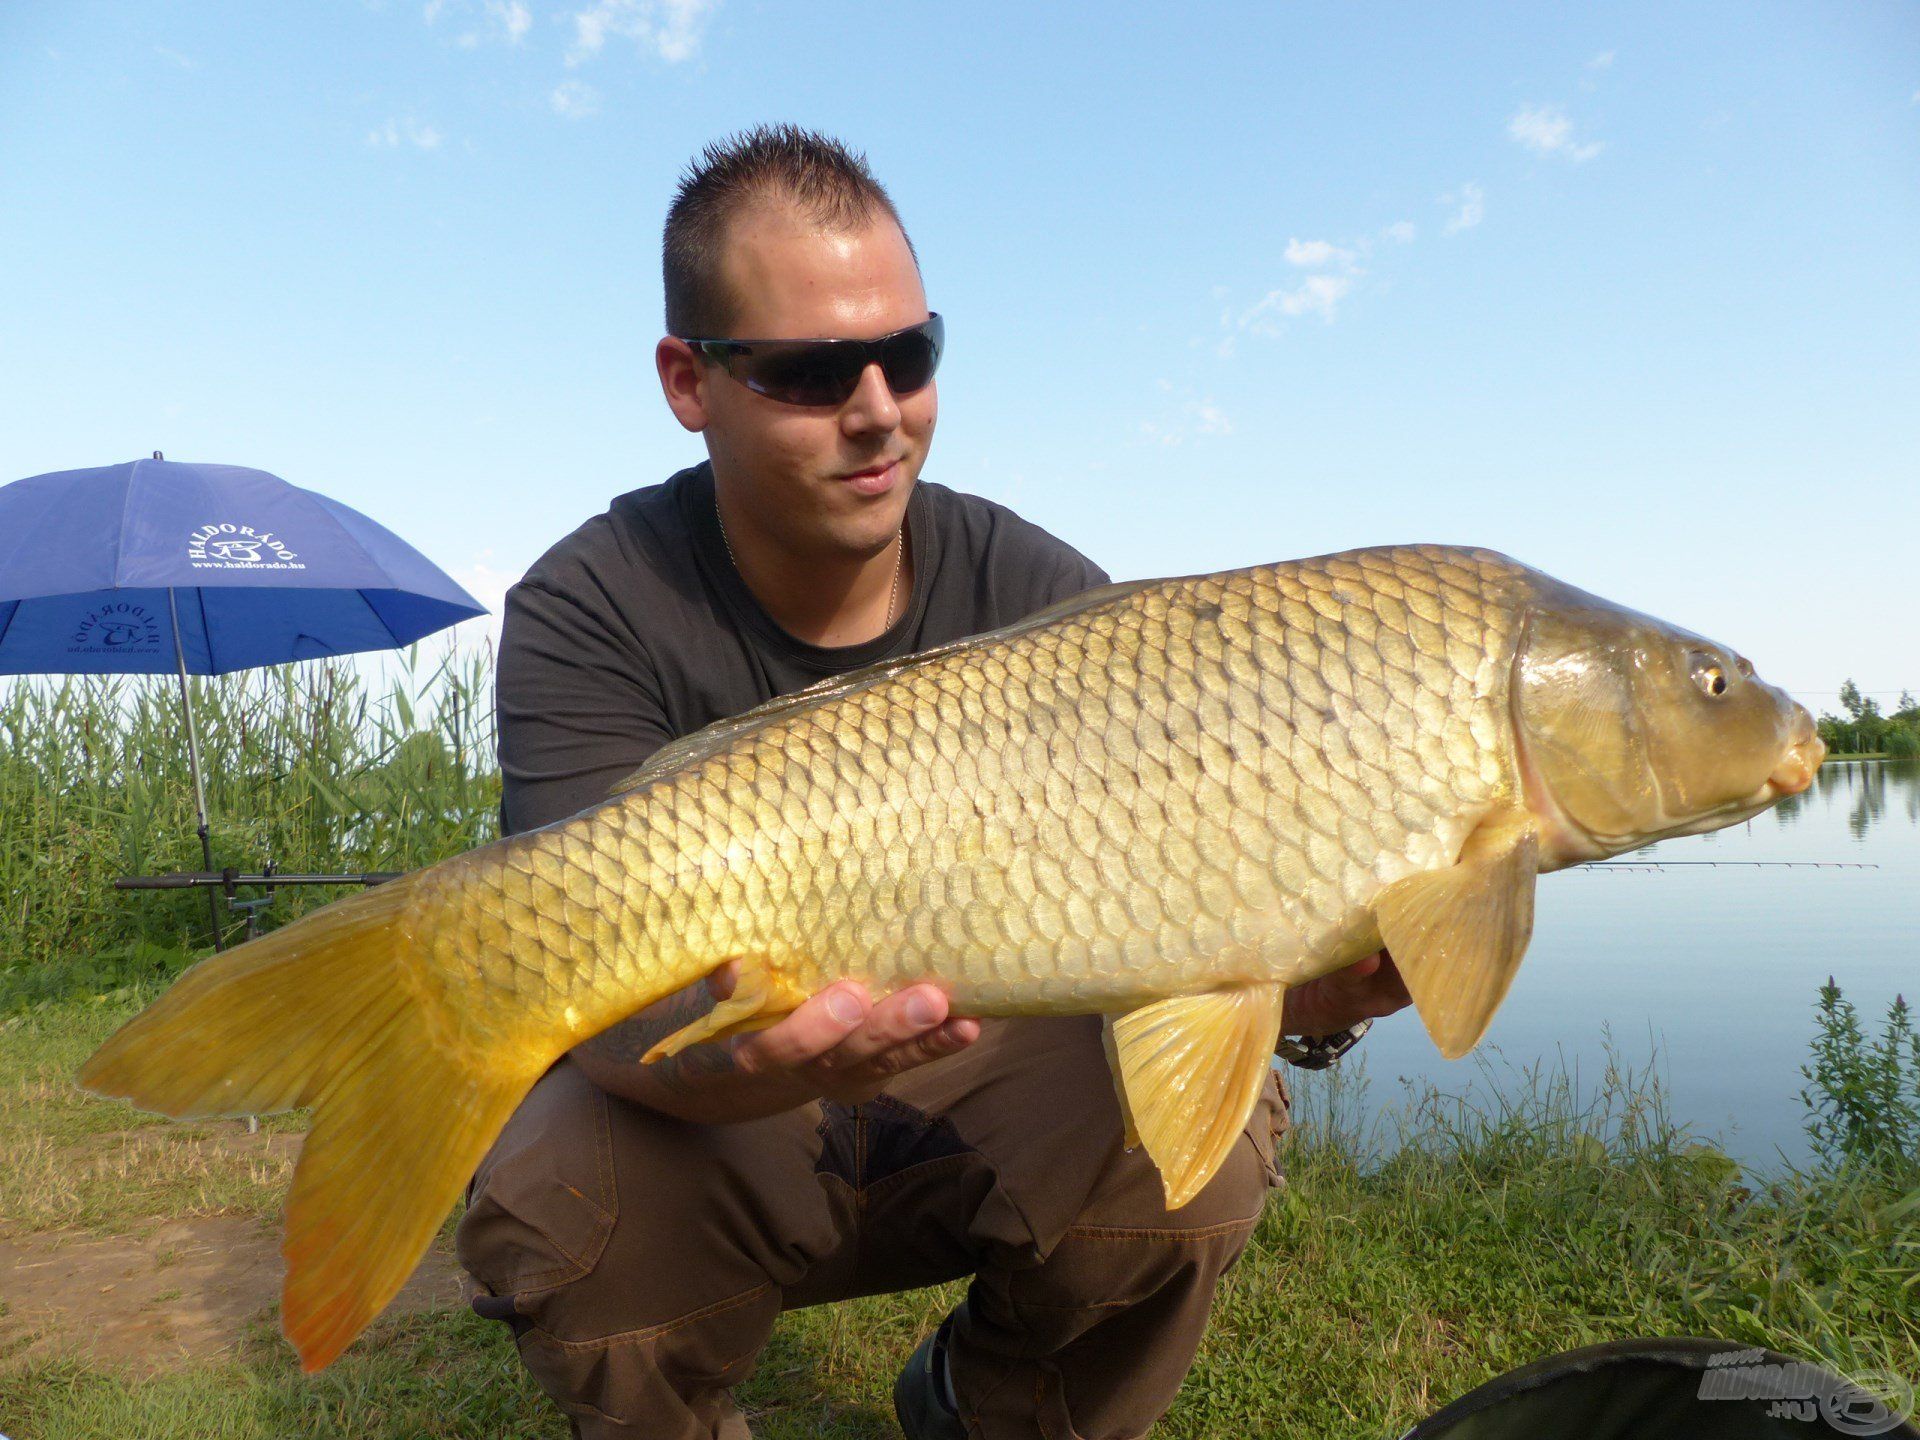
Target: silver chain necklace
899,554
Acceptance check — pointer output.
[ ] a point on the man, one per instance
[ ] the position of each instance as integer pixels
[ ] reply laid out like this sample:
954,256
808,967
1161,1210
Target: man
641,1227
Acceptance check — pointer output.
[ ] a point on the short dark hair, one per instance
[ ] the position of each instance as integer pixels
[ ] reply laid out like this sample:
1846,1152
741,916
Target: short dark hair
830,183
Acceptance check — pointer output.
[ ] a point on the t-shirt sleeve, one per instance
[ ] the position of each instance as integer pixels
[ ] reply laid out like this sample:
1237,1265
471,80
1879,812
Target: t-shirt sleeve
576,708
1074,574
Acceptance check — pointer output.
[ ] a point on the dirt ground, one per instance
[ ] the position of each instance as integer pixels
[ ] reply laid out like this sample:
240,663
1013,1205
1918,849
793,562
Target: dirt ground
179,1290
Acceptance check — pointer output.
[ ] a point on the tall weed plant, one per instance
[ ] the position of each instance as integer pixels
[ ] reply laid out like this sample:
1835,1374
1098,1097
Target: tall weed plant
305,765
1863,1095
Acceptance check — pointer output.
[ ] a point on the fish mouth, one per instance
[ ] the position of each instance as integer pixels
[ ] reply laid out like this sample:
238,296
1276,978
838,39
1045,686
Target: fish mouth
1795,771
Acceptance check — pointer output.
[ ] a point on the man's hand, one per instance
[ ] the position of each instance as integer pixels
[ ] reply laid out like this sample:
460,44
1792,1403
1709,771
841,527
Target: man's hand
1365,990
838,1045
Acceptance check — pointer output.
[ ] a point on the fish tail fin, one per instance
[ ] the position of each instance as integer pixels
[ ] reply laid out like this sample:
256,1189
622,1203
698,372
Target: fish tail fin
329,1013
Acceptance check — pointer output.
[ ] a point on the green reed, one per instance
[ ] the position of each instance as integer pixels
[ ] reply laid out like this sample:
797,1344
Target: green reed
306,765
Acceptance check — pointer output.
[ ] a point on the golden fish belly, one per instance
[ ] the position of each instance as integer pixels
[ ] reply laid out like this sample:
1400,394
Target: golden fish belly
1202,782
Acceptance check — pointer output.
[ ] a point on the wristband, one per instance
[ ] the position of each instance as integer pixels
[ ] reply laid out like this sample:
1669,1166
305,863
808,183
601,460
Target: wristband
1317,1053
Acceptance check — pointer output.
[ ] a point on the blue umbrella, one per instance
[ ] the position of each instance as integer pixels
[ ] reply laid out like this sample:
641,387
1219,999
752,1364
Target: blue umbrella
156,566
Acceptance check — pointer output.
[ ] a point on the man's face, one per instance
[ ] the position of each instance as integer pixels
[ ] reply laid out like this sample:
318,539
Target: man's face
805,474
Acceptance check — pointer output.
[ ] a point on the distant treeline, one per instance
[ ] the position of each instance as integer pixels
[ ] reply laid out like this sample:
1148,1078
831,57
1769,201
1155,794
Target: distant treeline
1863,730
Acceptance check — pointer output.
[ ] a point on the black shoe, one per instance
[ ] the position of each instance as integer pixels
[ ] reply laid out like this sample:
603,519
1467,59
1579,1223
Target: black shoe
920,1394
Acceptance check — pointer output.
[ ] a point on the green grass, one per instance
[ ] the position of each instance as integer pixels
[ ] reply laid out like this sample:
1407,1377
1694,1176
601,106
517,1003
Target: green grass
1402,1265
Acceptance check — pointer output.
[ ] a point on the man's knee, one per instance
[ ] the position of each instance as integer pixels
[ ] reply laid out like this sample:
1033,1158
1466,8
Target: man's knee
610,1217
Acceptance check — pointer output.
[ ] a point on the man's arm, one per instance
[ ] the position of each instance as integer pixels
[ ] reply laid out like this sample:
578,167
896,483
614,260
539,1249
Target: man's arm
1365,990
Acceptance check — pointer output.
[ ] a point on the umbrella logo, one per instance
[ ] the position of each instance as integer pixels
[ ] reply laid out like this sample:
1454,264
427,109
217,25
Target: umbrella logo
121,628
227,546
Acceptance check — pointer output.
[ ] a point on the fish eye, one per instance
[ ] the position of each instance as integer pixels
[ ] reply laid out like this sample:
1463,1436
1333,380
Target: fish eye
1709,674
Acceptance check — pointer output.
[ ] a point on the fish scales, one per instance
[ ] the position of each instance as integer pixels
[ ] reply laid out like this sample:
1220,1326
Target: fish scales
1177,786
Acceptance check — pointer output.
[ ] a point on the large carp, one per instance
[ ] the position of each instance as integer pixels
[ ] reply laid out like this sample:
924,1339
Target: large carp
1165,801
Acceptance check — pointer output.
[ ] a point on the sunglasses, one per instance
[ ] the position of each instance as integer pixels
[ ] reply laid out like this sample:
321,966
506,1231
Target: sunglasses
827,372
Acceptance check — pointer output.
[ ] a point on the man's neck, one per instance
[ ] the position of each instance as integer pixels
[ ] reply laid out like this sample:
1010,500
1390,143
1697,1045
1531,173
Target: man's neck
826,600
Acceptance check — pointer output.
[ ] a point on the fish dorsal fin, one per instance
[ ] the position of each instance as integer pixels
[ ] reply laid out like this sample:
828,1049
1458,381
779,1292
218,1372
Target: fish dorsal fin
1459,934
1188,1071
690,750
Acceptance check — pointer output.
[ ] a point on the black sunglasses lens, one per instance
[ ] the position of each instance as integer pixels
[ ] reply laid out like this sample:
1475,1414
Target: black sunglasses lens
826,372
909,359
822,374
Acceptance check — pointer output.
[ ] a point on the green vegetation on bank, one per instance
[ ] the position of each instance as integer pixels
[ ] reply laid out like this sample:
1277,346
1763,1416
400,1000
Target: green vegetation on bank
1862,732
303,765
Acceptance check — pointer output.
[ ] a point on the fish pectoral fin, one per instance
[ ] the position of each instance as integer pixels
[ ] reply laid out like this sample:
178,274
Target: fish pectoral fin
1458,935
1188,1071
759,999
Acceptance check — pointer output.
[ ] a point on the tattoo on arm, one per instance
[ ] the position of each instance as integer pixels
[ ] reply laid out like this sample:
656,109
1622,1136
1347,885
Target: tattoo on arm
625,1043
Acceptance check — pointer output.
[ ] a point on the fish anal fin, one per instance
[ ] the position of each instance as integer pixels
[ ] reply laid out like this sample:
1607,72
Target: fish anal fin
1189,1071
759,999
1458,935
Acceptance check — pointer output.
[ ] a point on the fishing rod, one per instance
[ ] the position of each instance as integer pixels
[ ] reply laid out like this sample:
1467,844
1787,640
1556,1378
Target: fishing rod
1720,864
226,879
230,880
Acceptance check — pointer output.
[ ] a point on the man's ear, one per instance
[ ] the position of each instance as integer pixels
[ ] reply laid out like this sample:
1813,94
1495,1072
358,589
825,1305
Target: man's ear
683,380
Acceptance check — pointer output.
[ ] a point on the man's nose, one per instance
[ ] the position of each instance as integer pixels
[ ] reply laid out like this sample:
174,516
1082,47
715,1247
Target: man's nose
871,406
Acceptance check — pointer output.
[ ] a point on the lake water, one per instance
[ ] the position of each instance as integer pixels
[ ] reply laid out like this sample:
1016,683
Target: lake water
1713,971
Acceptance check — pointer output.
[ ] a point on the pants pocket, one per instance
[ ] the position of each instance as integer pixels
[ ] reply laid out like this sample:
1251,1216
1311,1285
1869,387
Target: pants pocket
544,1201
1272,1119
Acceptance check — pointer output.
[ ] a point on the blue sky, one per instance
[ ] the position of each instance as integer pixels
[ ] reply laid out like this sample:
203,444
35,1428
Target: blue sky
1630,292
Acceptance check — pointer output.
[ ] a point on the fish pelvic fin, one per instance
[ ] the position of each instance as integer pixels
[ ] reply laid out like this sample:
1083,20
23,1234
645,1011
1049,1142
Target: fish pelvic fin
1189,1071
327,1013
760,998
1458,935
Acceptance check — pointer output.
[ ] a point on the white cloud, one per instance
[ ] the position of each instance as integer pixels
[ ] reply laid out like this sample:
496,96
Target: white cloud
1316,295
513,17
670,29
1314,253
504,20
1209,418
1198,416
575,100
1602,61
1401,232
185,62
1469,206
404,131
1546,130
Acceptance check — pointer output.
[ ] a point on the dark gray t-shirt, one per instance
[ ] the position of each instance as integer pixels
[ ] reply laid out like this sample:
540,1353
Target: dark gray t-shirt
636,629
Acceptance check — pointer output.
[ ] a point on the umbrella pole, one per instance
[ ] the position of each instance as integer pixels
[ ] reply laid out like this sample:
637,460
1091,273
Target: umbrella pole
193,763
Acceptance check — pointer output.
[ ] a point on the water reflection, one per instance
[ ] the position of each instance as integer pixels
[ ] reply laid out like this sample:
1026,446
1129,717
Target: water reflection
1870,792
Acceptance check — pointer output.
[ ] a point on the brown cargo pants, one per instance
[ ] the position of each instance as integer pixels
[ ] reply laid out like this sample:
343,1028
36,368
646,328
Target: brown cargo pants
642,1261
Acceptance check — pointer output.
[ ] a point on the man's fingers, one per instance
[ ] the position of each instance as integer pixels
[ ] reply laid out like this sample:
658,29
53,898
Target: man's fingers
821,1022
846,1046
893,1021
862,1082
